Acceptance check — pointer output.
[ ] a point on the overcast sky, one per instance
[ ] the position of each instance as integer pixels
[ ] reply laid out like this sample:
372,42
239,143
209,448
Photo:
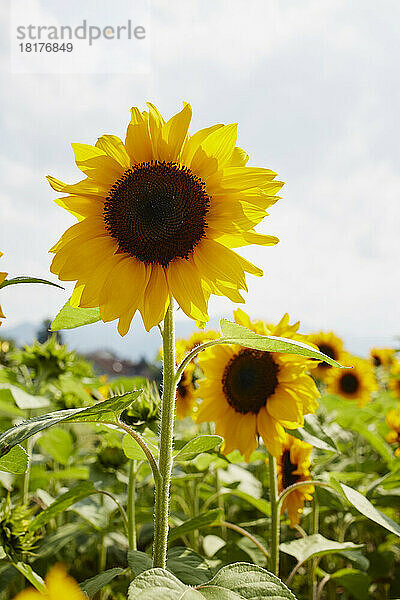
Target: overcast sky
315,88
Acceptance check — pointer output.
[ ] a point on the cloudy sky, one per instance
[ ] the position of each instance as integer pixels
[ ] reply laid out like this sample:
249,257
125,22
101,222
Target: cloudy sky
315,88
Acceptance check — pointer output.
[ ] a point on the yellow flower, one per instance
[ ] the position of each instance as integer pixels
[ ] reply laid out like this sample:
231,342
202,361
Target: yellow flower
59,586
248,393
185,391
394,381
2,278
328,343
158,216
393,422
356,383
382,357
293,465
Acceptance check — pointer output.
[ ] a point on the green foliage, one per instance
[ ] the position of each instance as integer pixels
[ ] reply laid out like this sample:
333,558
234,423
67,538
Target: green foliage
70,318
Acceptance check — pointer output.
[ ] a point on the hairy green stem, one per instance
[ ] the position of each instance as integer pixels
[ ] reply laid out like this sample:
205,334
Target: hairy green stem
275,514
162,502
131,506
314,561
149,455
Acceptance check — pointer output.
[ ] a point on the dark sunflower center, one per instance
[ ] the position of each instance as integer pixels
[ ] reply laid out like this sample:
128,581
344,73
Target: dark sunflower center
157,211
329,351
288,478
377,360
349,383
182,388
249,379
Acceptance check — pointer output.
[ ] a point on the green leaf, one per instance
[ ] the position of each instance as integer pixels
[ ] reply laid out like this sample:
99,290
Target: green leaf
133,450
22,399
375,440
69,318
106,412
365,507
315,545
7,404
95,584
237,334
57,442
188,566
202,443
203,520
80,491
238,581
354,581
31,576
15,461
313,434
259,503
139,562
26,279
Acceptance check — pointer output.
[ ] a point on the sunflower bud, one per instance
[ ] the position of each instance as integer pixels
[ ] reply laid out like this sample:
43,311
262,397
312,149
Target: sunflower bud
14,536
144,412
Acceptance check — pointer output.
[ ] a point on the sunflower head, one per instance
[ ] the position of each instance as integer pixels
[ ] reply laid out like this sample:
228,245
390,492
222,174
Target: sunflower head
393,422
330,344
248,393
382,357
158,216
357,383
59,586
394,380
293,465
3,275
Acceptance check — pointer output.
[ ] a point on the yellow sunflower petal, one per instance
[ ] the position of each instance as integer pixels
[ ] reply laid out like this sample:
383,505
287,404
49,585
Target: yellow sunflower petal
96,164
185,284
114,147
271,431
137,141
155,298
173,134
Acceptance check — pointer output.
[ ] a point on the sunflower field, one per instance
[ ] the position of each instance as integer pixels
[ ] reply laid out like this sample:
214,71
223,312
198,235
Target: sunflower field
260,460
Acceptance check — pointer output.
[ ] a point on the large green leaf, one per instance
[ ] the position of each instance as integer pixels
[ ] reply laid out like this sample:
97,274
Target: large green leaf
69,317
15,461
75,494
188,566
95,584
58,443
237,334
22,399
202,443
132,449
31,576
107,411
313,433
315,545
240,581
27,279
203,520
365,507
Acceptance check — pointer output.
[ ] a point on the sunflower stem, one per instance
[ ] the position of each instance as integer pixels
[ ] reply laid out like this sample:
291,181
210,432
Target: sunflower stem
162,500
131,505
275,514
314,562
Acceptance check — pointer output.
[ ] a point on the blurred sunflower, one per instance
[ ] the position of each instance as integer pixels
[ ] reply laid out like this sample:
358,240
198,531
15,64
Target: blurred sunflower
393,422
394,380
293,465
2,278
356,383
382,357
59,586
248,393
330,344
185,391
158,215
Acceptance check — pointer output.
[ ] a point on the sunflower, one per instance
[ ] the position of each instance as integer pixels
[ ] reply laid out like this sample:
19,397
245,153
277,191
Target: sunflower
328,343
158,216
248,393
185,391
293,465
2,278
353,384
382,357
393,422
59,586
394,381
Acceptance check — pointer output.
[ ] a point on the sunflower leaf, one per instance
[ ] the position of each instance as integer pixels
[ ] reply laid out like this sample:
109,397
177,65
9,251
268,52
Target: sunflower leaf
70,318
202,443
315,545
95,584
238,581
364,506
237,334
15,462
107,411
26,279
203,520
